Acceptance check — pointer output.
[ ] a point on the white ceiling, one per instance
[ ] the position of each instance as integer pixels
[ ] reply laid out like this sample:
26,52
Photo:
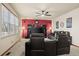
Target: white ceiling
28,10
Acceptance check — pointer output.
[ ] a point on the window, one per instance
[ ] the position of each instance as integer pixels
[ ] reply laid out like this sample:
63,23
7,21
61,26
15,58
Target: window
10,23
5,17
16,25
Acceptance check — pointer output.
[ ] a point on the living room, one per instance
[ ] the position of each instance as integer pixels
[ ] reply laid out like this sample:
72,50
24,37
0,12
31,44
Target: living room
52,29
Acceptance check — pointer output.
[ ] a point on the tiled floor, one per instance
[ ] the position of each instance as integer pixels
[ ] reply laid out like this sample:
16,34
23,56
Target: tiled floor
19,50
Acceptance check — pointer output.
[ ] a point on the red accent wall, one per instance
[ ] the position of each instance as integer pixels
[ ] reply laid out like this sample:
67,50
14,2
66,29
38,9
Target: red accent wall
25,23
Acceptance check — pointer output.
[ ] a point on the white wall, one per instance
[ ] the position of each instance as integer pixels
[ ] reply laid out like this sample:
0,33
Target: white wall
0,17
74,31
8,41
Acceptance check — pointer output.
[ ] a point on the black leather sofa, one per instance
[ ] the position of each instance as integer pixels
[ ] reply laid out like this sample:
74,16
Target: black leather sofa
63,33
37,46
63,43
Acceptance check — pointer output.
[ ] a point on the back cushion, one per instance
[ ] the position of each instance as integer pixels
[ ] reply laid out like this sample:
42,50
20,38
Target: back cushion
37,43
63,41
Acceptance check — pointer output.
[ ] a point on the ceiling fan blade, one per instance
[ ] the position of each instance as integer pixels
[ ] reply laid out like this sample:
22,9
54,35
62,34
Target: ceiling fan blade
48,15
43,12
38,13
46,12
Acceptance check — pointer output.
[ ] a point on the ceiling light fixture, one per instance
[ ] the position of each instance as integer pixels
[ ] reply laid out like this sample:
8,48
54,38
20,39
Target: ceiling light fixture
42,15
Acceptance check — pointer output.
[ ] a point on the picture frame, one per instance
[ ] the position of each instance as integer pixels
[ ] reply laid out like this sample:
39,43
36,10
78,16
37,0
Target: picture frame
57,24
62,24
69,22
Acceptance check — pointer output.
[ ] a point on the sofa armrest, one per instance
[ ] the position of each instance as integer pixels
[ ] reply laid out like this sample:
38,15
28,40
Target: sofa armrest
27,49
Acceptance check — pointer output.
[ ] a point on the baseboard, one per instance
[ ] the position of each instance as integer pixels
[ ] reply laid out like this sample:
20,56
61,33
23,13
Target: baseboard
75,45
10,47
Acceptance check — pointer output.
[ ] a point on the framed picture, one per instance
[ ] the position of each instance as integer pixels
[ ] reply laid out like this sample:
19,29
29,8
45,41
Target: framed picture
62,24
57,24
69,22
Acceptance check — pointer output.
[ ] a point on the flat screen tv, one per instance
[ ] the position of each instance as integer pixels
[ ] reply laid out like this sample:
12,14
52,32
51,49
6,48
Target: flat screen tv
38,30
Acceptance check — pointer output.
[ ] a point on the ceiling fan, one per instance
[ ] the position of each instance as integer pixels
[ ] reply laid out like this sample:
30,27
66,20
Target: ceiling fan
43,13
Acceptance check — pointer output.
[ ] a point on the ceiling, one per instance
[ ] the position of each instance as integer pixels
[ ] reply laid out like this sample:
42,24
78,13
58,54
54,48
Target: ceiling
28,10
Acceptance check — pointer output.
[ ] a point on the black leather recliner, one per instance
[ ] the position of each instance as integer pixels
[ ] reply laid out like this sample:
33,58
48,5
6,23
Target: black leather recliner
64,33
63,45
36,45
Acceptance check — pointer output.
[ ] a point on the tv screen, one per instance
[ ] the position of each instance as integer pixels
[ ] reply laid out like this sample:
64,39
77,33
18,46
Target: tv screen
38,30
